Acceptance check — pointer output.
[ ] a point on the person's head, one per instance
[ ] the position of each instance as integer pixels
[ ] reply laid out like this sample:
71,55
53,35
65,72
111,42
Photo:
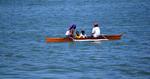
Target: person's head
96,25
77,33
73,26
83,32
70,27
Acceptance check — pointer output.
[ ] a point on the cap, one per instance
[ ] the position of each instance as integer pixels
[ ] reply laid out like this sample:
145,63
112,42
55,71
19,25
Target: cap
95,24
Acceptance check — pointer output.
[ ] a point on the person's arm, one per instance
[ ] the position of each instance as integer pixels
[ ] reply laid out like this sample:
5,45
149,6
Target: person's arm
67,33
85,36
93,31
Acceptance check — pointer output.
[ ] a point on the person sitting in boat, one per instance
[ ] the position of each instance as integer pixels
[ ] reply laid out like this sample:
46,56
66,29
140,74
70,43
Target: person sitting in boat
96,30
77,35
83,35
70,31
73,29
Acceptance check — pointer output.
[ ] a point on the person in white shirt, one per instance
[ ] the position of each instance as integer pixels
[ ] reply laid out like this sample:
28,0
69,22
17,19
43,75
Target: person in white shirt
83,35
70,31
96,30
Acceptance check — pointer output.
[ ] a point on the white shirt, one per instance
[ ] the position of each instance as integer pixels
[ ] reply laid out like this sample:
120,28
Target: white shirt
67,33
96,31
83,36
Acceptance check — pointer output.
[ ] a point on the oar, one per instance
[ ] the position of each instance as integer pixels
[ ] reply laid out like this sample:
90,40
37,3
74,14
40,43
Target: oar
72,38
103,36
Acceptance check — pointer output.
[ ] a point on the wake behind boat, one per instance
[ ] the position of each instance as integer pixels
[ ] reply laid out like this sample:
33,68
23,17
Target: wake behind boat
70,39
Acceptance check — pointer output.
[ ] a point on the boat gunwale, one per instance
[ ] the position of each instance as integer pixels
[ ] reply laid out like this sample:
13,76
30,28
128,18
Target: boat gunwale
101,38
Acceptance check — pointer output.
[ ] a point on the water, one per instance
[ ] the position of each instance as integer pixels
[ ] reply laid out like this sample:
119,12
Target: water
24,24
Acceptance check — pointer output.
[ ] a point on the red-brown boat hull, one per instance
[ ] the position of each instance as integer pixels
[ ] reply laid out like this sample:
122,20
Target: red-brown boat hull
58,39
102,37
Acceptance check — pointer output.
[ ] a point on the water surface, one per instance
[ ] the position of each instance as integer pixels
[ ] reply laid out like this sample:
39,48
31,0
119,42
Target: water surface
24,54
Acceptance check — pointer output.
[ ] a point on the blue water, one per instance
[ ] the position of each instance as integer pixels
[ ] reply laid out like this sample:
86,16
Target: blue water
24,54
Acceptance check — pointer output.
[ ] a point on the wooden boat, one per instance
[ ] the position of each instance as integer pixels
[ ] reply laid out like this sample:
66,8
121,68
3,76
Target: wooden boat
70,39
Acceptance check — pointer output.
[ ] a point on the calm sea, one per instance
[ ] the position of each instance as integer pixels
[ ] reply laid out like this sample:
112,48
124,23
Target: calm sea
24,54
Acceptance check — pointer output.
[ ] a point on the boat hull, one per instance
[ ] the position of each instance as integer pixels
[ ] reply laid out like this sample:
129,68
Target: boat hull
100,38
58,39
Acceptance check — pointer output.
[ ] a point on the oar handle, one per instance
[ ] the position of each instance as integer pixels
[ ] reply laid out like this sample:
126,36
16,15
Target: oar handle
71,38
